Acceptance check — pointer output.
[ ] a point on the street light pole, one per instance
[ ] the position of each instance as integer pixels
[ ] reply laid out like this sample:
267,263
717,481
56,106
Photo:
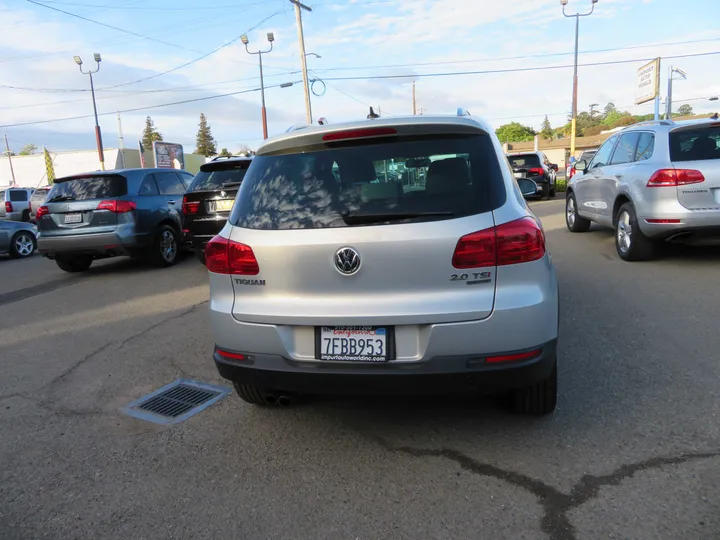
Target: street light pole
303,57
575,69
98,133
246,41
668,100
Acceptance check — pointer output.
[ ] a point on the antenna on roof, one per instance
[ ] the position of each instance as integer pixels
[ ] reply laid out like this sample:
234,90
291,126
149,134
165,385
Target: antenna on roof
372,114
462,112
322,121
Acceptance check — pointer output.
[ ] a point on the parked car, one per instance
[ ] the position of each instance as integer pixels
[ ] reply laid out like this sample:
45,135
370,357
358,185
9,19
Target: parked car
536,167
652,182
586,156
17,239
338,284
209,199
14,204
37,200
134,212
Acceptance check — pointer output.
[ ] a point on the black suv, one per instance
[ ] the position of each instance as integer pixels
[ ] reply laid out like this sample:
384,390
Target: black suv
210,197
134,212
535,166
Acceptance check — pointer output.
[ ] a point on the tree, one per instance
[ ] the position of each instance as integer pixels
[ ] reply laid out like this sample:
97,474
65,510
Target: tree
514,132
28,150
594,110
594,130
685,110
546,130
245,149
625,121
608,110
150,134
225,153
205,143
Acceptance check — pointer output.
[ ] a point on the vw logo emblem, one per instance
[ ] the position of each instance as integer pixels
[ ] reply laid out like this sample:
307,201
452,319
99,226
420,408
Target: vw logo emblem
347,261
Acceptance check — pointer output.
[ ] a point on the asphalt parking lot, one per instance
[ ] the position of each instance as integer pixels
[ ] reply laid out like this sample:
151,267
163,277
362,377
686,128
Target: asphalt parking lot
633,450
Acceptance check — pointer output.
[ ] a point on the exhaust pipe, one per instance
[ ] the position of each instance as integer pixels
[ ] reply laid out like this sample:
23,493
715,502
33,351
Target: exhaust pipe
284,400
270,399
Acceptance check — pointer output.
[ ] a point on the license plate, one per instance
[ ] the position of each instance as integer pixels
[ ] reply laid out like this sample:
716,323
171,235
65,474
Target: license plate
224,206
519,175
353,344
73,218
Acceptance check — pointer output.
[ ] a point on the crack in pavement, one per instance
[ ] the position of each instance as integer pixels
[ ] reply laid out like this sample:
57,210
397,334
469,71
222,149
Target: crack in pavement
152,327
556,504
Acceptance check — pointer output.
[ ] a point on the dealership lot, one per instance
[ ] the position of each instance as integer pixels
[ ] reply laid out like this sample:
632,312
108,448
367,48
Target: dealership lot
633,450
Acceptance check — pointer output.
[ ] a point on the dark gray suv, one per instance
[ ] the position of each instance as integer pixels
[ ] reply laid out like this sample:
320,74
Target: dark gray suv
135,212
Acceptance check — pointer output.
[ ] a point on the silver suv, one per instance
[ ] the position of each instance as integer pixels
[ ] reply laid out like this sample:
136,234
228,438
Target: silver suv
384,256
652,182
15,203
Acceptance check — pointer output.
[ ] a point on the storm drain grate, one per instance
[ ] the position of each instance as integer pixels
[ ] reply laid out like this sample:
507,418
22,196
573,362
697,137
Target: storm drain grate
175,402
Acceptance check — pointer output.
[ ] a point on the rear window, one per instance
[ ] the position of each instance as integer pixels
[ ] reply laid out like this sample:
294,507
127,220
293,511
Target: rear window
90,187
524,161
39,194
219,176
18,195
406,180
695,144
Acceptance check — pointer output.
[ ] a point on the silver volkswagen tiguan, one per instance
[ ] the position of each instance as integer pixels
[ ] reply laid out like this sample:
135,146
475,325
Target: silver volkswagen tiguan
384,256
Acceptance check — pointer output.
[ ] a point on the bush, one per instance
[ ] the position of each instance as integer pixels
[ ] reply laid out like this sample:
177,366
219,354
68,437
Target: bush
560,185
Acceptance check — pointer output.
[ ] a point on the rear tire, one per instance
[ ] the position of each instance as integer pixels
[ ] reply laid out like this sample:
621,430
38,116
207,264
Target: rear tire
22,245
165,247
538,399
630,242
26,215
200,254
72,264
254,395
574,221
545,191
552,191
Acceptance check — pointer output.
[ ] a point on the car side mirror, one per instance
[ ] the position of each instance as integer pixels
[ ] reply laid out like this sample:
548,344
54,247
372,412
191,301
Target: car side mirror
554,166
528,187
580,165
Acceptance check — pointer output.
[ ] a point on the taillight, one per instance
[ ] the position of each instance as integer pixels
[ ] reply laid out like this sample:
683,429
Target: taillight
515,242
8,206
572,172
536,171
42,211
223,256
190,207
117,207
675,177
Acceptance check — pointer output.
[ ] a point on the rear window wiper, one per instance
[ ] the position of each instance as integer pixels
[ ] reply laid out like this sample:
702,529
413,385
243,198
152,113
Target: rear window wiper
357,219
61,198
231,184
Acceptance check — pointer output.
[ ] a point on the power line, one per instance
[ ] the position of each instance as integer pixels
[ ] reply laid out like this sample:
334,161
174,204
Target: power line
524,57
150,8
509,70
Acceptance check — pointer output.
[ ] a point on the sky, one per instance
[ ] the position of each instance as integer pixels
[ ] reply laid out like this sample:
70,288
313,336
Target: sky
173,60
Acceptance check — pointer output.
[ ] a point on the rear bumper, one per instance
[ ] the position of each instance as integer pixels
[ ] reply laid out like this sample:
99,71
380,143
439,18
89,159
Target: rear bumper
99,243
692,226
438,375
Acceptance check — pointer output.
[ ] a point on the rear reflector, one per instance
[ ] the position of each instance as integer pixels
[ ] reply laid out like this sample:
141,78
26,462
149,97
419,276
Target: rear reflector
223,256
675,177
513,357
117,207
662,220
515,242
359,134
229,355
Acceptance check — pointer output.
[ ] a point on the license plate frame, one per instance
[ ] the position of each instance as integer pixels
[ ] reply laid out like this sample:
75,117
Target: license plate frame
519,175
357,358
224,205
73,218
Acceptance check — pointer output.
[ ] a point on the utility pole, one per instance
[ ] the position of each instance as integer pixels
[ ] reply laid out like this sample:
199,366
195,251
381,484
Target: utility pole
575,70
122,142
414,102
303,57
98,134
9,155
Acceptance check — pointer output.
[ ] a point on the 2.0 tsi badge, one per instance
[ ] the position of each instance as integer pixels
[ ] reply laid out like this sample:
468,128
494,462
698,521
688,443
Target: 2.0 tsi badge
347,261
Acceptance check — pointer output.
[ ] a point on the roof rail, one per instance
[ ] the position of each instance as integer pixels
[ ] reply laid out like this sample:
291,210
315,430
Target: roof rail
462,112
654,122
296,127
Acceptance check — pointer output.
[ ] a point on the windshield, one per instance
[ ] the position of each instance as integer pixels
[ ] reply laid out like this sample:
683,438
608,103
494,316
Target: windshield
524,161
89,187
695,144
218,178
418,180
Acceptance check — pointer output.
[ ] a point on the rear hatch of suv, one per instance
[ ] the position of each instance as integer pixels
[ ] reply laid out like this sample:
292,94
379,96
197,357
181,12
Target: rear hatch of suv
84,204
527,166
210,197
695,155
322,233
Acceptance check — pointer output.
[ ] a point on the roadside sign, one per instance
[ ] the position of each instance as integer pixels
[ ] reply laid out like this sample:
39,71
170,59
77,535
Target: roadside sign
168,155
647,86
